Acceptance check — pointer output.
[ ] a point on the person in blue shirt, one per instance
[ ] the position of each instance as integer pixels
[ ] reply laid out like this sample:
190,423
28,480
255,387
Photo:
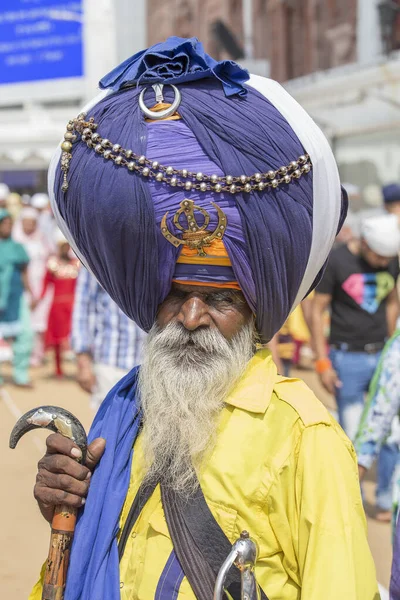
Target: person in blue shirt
106,342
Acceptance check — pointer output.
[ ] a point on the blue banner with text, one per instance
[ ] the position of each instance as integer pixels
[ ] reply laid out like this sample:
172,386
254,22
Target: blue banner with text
40,39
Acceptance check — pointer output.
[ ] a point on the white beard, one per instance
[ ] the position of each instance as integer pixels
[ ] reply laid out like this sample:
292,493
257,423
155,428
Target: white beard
183,382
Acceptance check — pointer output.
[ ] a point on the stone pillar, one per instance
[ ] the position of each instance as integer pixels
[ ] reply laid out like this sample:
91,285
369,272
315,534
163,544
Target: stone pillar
247,11
131,20
113,31
278,46
369,43
100,45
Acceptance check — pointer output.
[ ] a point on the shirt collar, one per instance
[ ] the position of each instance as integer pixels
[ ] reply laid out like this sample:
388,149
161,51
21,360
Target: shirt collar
254,389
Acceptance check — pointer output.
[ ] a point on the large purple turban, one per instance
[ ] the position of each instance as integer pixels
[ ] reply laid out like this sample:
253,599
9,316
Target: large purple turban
277,240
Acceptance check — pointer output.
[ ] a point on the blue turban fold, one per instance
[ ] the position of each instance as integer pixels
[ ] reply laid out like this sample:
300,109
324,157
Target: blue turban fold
112,216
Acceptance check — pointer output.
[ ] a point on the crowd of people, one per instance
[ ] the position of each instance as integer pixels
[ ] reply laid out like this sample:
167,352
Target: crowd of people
49,303
352,325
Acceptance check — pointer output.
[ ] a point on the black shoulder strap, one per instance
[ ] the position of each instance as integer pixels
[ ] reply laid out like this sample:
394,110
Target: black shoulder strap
142,496
197,570
200,544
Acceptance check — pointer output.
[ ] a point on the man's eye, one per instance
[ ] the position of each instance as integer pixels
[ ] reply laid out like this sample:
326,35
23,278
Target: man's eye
220,299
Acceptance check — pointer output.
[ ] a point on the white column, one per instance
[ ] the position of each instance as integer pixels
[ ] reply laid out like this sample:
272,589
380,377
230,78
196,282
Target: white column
100,42
247,7
369,41
113,31
131,19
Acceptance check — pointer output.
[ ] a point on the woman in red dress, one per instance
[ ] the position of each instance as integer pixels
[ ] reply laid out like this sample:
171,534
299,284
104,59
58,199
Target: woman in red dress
62,272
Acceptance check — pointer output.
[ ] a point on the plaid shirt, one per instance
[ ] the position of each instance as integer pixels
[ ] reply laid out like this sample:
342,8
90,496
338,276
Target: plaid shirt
101,329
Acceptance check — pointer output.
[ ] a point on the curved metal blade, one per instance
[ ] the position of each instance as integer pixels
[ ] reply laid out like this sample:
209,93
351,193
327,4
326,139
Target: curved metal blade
56,419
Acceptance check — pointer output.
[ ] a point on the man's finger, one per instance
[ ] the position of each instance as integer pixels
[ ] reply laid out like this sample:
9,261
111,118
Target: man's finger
50,497
58,463
95,452
59,444
62,482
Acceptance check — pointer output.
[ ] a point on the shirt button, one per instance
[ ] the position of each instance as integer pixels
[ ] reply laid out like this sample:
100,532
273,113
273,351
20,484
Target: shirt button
121,585
134,534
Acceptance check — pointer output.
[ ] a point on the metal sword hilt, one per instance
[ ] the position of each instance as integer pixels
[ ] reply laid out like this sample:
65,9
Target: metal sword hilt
244,556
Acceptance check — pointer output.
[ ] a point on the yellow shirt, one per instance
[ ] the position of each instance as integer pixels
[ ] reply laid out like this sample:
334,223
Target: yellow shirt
283,470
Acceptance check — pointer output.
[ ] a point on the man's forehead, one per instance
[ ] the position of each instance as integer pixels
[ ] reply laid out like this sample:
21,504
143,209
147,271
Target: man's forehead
203,289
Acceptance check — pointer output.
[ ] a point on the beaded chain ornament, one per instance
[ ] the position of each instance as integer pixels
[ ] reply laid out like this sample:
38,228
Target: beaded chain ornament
181,178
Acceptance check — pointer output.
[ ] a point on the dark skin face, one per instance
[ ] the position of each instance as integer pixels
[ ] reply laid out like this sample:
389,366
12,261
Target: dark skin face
60,479
201,306
372,258
29,226
393,208
5,228
64,251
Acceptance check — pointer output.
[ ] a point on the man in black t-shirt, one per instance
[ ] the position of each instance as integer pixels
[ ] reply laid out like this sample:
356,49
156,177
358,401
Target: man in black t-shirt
359,296
359,287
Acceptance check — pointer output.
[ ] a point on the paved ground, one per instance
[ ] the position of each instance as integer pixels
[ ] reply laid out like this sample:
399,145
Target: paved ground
24,535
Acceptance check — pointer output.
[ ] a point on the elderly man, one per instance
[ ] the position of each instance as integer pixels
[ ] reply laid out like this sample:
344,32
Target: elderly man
207,218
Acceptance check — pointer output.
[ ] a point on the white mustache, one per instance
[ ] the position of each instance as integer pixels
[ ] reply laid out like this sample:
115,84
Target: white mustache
176,337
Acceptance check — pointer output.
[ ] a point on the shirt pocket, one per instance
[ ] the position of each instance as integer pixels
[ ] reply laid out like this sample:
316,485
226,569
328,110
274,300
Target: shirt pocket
226,518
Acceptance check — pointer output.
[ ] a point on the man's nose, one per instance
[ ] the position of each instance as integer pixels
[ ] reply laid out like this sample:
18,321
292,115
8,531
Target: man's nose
194,314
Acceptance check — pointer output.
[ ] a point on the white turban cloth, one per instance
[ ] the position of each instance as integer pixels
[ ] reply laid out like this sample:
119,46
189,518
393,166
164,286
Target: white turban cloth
382,234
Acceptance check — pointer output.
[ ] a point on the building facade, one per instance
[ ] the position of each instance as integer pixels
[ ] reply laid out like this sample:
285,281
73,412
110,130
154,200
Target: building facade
188,18
311,35
338,58
52,56
297,36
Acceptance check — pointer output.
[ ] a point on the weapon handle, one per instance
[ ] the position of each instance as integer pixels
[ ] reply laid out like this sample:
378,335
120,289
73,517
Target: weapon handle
62,533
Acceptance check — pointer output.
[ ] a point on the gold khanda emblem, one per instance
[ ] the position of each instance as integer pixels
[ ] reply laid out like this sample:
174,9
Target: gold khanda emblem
195,236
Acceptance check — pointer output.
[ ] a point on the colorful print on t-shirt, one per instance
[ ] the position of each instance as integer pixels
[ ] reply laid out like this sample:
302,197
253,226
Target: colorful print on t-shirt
369,289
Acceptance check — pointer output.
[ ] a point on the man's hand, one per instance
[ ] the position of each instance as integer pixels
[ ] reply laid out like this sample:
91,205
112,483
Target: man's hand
361,472
330,380
34,303
62,480
85,374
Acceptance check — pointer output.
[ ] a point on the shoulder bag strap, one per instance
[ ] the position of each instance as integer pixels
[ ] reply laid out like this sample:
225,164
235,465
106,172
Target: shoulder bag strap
200,544
142,496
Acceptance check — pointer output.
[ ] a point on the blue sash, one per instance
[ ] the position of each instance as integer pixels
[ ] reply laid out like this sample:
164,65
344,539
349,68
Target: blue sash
94,567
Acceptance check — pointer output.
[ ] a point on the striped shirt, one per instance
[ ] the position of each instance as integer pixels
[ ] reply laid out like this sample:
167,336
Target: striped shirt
101,329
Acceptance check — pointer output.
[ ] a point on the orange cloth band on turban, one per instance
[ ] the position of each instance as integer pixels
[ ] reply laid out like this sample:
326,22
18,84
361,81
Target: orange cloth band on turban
216,256
163,106
232,285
